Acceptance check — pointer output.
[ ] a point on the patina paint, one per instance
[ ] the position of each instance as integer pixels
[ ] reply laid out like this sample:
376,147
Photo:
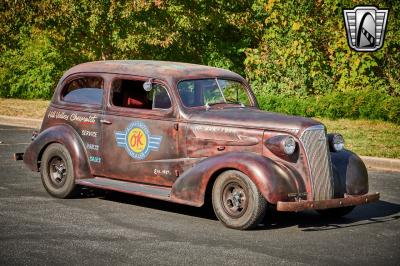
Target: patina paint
176,154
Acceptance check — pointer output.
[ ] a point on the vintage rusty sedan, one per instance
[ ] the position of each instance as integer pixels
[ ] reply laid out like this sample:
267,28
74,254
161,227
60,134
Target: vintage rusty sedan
190,134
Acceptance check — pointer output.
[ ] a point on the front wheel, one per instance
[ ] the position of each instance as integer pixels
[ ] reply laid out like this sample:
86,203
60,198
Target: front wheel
236,201
57,171
336,212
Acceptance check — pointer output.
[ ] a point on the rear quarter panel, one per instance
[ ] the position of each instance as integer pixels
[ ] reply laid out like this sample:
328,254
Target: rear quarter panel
65,135
86,126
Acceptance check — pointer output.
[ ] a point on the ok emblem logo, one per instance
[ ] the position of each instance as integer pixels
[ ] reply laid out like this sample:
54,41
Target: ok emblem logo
137,140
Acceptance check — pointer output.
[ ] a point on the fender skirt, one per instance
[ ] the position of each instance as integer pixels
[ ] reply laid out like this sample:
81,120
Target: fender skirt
273,180
63,134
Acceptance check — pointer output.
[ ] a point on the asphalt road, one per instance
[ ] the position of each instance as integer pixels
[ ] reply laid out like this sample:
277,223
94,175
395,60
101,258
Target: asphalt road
112,228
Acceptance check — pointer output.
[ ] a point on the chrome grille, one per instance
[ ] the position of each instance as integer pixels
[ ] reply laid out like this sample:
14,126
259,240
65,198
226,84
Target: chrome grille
319,161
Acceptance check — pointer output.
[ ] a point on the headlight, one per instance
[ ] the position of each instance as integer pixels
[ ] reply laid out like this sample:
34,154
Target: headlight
283,146
289,145
336,142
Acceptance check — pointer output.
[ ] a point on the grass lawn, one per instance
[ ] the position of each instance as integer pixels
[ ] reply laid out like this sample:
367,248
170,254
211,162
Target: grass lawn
365,137
23,108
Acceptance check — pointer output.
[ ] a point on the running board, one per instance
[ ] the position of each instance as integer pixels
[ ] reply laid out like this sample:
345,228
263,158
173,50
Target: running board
126,187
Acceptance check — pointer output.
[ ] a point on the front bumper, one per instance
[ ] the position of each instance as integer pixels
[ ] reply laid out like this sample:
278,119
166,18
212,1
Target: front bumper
348,200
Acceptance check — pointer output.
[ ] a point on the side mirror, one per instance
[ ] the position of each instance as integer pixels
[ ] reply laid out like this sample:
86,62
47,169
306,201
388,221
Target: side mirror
148,85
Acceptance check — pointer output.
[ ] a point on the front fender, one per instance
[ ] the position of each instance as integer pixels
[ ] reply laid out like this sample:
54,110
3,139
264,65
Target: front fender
63,134
349,173
273,180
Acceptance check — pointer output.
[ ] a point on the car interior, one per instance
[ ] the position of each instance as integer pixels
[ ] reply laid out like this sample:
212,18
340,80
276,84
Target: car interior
131,94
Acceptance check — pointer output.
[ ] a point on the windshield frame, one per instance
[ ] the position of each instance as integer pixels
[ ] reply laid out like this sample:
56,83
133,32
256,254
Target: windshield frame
245,86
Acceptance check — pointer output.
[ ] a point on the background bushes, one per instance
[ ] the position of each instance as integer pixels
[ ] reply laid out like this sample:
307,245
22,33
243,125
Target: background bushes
294,53
352,104
31,70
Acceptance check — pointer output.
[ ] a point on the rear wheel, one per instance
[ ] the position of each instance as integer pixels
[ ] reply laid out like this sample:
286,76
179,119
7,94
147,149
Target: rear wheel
57,171
336,212
236,201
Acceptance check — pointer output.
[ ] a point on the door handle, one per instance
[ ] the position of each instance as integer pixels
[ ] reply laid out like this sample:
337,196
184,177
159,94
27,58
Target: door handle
103,121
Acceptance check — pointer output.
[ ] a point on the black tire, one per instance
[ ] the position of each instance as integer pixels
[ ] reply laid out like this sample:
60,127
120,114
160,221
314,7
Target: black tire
57,171
236,201
336,212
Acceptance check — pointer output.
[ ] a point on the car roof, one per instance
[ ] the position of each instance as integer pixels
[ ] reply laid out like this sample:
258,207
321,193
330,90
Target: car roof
163,70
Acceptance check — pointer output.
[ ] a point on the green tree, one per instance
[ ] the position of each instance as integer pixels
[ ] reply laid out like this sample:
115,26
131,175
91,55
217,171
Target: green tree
31,71
294,53
304,51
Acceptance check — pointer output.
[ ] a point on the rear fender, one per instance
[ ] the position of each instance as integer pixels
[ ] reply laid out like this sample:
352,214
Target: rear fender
273,180
65,135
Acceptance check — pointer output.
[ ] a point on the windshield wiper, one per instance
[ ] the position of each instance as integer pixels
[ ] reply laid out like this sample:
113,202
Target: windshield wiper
236,102
208,105
215,103
225,102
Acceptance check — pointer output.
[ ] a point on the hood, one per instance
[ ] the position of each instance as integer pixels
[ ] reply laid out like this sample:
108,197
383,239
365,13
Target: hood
252,118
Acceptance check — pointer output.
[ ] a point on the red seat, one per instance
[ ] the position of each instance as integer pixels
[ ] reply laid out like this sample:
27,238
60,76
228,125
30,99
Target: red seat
134,99
134,103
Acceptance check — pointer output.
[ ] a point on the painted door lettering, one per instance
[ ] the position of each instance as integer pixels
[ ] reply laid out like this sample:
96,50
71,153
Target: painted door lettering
136,140
91,146
89,133
161,171
95,159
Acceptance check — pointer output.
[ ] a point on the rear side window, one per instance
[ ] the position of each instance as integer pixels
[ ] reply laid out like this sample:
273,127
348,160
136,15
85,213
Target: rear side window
85,90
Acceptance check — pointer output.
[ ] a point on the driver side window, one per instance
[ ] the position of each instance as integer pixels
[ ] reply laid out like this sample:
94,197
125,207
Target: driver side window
130,94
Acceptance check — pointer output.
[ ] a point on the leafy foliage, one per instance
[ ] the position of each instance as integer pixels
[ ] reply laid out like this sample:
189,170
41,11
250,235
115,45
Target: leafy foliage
304,51
292,52
335,105
31,71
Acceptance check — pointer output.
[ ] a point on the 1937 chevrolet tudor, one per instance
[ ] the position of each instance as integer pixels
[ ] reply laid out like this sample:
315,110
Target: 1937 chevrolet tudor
189,133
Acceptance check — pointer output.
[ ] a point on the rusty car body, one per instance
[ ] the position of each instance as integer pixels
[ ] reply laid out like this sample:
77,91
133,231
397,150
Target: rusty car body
168,147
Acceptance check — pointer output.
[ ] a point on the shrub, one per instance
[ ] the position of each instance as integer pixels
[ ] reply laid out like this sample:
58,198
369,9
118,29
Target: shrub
351,104
31,71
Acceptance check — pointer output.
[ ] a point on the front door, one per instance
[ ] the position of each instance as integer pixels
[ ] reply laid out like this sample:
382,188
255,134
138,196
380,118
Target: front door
140,137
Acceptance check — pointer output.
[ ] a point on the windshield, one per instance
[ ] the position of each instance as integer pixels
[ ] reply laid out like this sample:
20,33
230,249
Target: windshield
207,92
